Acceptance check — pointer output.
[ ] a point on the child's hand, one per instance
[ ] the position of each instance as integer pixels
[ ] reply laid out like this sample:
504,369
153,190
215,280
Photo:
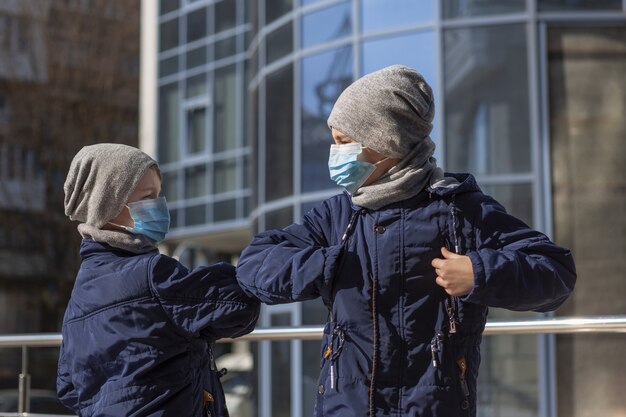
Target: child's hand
455,273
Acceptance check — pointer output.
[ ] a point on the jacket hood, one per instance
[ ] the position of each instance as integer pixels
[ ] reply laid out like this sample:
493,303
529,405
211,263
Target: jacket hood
467,184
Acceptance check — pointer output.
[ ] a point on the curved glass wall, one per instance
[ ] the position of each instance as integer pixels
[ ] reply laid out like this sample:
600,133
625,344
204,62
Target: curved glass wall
245,88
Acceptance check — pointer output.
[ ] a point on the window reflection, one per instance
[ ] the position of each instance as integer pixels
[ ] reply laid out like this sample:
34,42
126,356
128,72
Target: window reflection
196,132
170,186
279,43
517,199
225,47
276,8
196,25
195,215
224,210
196,57
324,77
225,15
336,22
556,5
196,85
195,181
279,219
225,107
169,105
167,6
225,176
279,134
486,87
466,8
280,354
168,35
386,14
168,66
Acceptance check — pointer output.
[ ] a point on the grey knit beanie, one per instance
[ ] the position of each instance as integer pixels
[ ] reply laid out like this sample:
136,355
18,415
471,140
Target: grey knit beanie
100,180
389,111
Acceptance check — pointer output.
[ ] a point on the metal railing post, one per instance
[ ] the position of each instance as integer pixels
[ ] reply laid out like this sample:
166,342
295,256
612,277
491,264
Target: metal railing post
23,405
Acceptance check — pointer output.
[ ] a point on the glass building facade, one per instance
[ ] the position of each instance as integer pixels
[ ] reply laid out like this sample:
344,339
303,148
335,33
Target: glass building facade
531,97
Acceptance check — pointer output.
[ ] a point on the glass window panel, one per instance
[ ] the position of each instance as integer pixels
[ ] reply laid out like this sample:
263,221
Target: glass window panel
281,361
225,176
196,57
311,354
225,15
387,14
324,77
167,6
559,5
254,132
169,106
226,47
517,199
486,113
382,52
587,98
276,8
196,130
195,215
279,134
247,207
279,43
466,8
336,21
225,108
168,66
196,25
247,172
196,85
279,219
195,181
169,188
168,35
224,210
508,381
247,105
174,216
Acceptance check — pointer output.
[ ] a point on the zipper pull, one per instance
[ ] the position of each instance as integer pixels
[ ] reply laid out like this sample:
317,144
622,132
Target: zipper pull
328,352
462,363
451,310
435,347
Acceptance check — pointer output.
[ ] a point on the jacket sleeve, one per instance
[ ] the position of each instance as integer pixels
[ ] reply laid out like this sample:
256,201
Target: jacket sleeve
205,301
293,264
516,267
65,388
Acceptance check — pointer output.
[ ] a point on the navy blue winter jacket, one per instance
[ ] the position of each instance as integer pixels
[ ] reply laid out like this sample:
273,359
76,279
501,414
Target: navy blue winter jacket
136,333
388,348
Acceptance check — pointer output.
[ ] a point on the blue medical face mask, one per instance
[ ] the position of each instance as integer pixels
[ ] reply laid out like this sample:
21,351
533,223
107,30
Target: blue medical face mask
151,217
345,168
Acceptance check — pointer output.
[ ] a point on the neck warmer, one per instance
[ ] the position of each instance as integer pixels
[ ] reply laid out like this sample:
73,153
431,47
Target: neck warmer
416,171
118,239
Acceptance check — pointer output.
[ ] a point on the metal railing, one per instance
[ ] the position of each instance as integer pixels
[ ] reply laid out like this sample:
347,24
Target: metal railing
556,325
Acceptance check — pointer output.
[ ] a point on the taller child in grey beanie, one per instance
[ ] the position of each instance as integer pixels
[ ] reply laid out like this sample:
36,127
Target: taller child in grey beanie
407,261
391,112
